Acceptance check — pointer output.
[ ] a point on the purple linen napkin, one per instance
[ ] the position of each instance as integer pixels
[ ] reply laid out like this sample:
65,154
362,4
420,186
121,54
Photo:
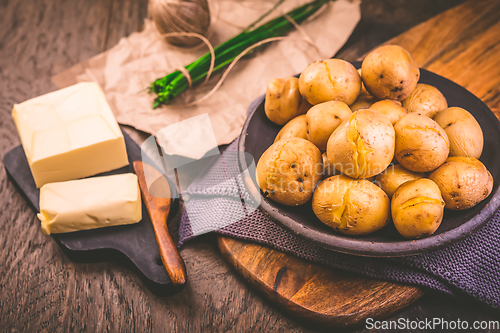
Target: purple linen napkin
215,199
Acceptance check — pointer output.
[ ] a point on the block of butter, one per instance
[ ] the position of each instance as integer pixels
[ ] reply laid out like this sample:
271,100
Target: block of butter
90,203
69,134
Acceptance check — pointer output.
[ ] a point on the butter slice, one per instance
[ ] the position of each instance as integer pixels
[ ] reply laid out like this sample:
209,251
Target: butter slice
90,203
69,134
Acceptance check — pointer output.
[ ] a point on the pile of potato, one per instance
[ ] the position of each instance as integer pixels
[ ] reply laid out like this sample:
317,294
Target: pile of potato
371,145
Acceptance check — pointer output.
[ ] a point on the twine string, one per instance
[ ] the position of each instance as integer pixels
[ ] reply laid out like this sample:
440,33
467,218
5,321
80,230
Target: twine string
180,16
231,65
185,72
302,33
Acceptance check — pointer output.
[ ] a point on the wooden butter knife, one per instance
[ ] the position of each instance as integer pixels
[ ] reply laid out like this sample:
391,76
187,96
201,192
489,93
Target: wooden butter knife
158,199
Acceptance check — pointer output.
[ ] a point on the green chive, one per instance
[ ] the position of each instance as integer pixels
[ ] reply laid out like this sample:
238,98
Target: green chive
171,85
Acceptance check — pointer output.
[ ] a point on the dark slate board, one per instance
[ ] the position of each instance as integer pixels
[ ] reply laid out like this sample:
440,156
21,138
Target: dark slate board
132,245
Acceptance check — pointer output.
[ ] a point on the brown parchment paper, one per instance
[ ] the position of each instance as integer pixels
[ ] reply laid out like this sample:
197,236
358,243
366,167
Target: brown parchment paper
127,68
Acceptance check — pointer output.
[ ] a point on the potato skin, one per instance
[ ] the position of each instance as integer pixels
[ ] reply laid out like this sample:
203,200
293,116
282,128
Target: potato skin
353,207
394,176
363,145
322,119
362,102
330,80
295,128
417,208
363,91
289,170
390,108
463,130
421,144
426,100
328,168
389,72
284,101
464,182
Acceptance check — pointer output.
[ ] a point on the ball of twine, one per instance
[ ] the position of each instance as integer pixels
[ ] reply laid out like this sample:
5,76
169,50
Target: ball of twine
172,16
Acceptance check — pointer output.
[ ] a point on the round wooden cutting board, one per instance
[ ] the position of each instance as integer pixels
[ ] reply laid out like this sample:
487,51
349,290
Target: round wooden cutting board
460,44
314,292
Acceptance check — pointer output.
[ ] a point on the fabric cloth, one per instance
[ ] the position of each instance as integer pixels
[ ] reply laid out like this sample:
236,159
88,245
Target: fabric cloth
214,200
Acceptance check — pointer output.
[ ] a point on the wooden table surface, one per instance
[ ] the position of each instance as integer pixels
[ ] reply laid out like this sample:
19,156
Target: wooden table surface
41,289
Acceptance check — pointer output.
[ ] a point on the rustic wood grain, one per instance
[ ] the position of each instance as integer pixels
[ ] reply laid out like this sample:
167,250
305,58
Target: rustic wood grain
313,292
383,20
126,17
157,197
40,288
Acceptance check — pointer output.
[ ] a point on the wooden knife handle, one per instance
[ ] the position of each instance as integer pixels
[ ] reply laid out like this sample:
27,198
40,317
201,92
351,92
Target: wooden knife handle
158,209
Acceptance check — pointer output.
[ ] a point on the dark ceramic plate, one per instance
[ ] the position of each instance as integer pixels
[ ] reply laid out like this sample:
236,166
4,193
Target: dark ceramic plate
259,133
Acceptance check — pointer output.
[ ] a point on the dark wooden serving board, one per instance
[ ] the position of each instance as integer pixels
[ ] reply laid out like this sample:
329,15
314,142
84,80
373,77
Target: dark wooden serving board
134,245
461,44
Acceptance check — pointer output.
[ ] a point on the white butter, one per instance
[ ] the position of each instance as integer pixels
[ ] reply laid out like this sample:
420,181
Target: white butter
90,203
69,134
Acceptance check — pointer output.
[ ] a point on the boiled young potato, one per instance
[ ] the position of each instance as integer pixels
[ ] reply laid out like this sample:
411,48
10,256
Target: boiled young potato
417,208
295,128
284,101
464,182
389,72
394,176
363,145
390,108
353,207
330,80
464,132
426,100
289,170
362,102
421,144
322,119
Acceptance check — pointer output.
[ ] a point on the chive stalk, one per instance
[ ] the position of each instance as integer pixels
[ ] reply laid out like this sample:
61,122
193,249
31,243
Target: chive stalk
171,85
